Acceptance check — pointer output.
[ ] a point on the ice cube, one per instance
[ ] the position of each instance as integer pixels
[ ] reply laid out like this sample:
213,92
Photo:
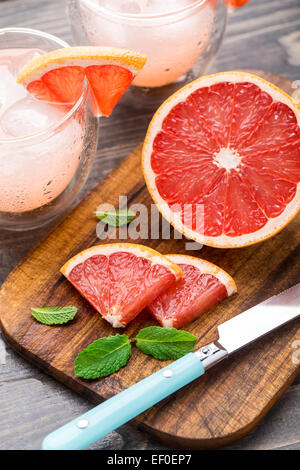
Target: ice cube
20,57
11,60
28,117
125,6
131,7
155,7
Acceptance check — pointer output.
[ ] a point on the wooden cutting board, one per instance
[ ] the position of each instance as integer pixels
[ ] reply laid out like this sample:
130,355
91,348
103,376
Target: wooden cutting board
224,404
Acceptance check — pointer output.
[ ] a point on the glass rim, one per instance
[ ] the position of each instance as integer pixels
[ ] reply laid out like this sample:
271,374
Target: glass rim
146,17
70,113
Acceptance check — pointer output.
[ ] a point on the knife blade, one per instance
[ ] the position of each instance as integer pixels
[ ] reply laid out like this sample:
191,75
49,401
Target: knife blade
260,320
234,334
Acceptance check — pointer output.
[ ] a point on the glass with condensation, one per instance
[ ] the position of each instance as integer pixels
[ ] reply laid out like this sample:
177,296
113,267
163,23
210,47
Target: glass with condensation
46,150
180,38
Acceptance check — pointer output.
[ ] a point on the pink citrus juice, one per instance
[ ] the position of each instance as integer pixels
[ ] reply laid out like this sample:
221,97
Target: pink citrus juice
173,43
37,159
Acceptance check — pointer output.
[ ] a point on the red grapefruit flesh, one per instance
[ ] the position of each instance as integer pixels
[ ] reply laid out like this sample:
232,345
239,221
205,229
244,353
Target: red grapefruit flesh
221,159
202,286
236,3
58,76
120,279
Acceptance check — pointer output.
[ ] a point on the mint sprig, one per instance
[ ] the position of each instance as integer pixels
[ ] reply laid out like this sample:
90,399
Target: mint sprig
165,343
103,357
115,218
54,315
108,354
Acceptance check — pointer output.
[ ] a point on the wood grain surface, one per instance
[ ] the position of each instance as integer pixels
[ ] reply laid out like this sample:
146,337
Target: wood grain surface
261,35
218,408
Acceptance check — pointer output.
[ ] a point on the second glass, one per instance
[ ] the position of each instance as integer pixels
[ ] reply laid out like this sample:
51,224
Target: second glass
180,38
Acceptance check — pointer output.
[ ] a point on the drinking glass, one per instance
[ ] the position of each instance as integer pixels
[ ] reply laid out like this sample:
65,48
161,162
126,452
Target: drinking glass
46,151
180,38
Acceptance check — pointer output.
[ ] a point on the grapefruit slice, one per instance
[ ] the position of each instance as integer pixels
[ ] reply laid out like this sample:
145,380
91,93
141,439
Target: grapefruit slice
221,159
120,279
58,76
203,285
236,3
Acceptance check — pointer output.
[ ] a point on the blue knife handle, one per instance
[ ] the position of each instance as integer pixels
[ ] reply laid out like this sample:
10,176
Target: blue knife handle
109,415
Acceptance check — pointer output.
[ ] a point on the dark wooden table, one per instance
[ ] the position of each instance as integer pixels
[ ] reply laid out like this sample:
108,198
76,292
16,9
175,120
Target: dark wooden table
263,35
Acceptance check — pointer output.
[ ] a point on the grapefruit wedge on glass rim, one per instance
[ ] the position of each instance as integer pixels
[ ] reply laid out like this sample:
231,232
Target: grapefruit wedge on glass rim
221,159
202,286
58,76
120,279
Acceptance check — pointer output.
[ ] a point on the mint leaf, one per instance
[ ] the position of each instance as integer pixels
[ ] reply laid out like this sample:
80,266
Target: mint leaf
103,357
165,343
115,218
54,315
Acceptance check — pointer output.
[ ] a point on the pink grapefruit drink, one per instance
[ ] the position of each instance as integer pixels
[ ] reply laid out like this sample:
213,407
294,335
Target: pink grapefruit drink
46,148
172,33
32,176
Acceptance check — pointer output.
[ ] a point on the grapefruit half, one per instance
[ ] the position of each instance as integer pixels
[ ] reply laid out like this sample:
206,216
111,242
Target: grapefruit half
221,159
58,76
202,286
120,279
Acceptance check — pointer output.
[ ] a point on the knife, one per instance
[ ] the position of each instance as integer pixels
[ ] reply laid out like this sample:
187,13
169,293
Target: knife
234,334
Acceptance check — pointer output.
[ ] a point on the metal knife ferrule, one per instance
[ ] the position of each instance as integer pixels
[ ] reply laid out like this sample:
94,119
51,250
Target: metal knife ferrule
211,354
